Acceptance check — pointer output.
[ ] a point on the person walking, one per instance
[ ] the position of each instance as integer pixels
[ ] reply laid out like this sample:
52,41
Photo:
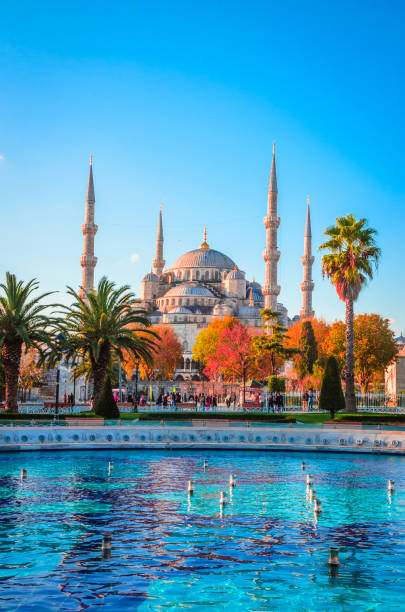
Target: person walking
310,400
305,398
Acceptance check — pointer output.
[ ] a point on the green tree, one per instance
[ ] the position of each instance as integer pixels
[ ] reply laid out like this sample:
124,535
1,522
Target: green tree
106,405
348,265
331,398
308,350
269,349
100,327
275,383
22,323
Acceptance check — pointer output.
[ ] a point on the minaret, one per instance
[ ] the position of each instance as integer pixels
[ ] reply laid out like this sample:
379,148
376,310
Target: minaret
271,254
89,229
307,286
159,262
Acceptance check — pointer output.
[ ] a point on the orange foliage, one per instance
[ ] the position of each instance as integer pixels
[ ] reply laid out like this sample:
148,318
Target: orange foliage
165,358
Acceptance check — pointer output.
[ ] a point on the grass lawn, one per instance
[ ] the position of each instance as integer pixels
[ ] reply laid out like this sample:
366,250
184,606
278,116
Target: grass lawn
314,418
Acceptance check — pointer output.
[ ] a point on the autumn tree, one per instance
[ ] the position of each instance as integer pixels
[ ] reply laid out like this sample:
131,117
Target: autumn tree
374,348
30,373
234,355
166,355
207,341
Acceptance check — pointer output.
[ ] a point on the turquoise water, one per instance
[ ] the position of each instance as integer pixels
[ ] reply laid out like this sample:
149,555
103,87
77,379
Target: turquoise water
265,552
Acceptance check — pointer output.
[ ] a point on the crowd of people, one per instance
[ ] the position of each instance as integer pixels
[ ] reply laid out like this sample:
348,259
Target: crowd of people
274,402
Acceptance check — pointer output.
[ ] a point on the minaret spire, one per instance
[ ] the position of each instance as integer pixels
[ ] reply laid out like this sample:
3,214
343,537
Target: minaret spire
307,286
271,254
89,230
159,262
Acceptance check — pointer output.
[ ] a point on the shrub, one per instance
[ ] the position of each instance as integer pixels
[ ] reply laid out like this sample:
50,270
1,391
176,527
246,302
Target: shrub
331,398
276,384
106,406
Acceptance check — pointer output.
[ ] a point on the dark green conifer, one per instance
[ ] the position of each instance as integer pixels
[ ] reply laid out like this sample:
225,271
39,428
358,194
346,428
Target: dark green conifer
308,350
331,398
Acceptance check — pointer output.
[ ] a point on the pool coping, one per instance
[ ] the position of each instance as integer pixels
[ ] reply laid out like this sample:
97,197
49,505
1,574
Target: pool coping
315,439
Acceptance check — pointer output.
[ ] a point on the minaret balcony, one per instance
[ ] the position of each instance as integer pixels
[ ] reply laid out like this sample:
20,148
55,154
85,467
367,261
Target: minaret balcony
89,228
307,286
88,261
273,255
307,260
271,222
274,289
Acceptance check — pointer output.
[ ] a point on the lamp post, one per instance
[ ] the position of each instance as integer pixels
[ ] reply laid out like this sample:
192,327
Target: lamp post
244,381
137,360
59,339
120,378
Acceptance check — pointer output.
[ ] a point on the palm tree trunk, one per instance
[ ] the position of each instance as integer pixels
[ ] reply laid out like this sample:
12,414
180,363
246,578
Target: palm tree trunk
11,354
349,377
99,372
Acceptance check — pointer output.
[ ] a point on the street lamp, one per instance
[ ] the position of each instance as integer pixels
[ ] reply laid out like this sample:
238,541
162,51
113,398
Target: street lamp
244,365
59,339
137,361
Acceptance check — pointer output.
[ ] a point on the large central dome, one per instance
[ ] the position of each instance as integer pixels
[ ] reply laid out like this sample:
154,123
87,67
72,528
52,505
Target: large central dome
204,258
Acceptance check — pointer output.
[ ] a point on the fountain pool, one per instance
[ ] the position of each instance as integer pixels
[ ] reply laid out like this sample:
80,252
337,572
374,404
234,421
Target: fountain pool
75,534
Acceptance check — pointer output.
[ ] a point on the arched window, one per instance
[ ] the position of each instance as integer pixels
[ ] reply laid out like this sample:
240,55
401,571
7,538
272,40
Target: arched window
187,275
197,274
179,274
187,367
207,275
173,301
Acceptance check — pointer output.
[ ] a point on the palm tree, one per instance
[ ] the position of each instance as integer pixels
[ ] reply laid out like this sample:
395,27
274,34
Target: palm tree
22,323
349,265
100,326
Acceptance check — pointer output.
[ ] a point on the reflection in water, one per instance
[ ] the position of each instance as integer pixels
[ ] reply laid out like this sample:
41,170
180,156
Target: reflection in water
119,529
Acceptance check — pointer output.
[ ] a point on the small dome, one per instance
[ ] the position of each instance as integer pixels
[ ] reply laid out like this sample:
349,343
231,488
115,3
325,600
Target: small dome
189,289
222,310
249,312
255,285
180,310
151,277
235,274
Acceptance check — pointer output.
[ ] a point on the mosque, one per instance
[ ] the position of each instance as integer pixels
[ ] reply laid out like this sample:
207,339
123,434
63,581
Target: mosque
204,283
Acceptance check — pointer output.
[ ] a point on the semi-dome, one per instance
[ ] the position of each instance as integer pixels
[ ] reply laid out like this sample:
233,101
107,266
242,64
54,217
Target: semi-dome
204,258
189,290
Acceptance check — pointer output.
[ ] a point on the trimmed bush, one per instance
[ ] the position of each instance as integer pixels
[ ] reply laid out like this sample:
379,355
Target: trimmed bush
106,406
331,398
276,384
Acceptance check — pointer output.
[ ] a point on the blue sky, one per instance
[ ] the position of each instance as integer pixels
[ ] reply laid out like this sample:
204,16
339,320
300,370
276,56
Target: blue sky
180,103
